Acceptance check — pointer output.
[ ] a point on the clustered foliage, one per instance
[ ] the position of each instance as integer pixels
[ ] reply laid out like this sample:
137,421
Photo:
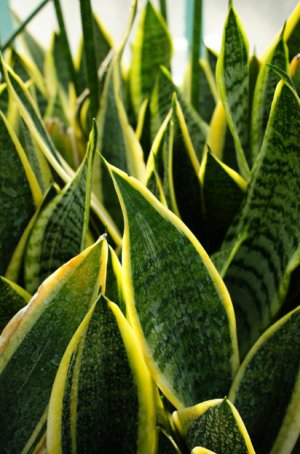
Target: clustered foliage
149,254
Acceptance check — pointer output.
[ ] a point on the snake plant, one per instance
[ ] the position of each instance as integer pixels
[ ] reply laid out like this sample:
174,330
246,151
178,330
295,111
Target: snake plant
150,243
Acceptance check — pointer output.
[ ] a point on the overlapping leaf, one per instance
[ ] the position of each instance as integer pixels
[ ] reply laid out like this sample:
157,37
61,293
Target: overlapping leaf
59,232
172,289
214,425
33,343
102,399
258,276
117,141
160,104
32,118
266,389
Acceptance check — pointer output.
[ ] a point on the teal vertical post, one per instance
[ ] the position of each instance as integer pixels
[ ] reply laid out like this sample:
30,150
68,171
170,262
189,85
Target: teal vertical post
194,13
6,27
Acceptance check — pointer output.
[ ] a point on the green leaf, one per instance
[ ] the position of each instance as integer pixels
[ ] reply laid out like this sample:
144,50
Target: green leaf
102,44
102,398
20,193
89,50
223,190
12,299
266,389
59,232
151,48
264,92
33,343
160,104
173,164
35,124
233,85
117,142
215,425
258,276
172,288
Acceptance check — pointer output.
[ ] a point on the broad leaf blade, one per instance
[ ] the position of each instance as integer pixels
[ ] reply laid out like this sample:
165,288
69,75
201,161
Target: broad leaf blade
172,290
233,85
59,232
151,48
258,276
102,397
215,425
266,389
33,343
12,299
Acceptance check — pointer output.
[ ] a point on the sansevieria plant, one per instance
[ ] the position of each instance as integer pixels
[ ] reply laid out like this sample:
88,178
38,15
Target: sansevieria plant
150,243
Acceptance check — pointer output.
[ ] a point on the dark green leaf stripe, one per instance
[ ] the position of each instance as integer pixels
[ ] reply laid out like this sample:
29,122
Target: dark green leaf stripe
160,104
215,425
12,299
151,48
172,288
101,399
266,389
264,92
233,85
20,193
258,276
33,343
59,232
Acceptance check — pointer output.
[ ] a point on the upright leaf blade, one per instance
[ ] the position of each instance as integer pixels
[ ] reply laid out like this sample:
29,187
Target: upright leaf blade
266,389
258,276
152,47
172,289
102,397
264,92
33,343
233,85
